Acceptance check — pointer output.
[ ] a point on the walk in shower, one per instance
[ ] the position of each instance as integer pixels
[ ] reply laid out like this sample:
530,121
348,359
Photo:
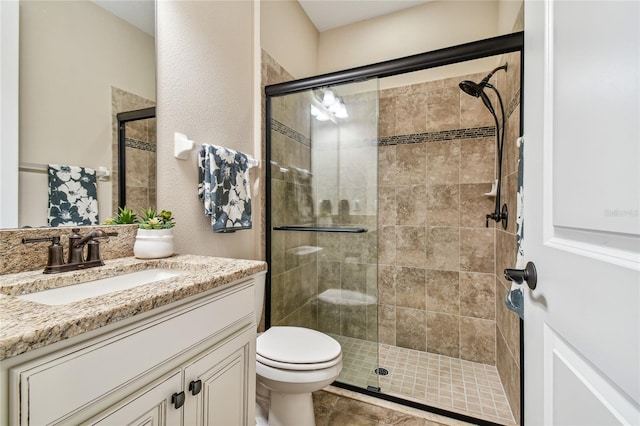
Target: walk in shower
379,191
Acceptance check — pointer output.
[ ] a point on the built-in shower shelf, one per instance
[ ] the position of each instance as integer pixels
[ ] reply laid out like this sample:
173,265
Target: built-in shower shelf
299,228
304,250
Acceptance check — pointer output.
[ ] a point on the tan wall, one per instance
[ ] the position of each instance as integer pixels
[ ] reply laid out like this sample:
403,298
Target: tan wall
205,90
71,53
509,16
424,28
289,37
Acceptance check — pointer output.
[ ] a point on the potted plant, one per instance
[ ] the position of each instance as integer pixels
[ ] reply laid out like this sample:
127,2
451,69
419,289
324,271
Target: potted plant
125,216
154,239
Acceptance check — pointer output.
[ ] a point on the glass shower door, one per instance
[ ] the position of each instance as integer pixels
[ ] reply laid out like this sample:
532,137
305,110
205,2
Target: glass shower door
323,151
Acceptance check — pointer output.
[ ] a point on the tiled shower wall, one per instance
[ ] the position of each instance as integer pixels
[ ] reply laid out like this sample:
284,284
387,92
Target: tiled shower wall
140,152
436,274
305,264
294,286
347,263
507,322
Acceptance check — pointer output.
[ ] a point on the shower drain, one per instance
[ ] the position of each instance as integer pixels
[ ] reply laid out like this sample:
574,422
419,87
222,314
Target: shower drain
381,371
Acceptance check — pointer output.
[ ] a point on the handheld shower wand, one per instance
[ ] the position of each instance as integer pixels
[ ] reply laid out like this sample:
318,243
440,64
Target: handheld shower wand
477,90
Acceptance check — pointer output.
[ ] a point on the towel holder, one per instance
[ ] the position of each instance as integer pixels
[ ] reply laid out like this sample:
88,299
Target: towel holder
183,146
102,173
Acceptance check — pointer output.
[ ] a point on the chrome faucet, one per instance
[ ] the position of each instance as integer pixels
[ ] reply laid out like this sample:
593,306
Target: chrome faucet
76,259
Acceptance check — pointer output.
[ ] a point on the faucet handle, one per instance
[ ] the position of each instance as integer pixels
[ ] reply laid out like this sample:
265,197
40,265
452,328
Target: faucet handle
55,250
38,240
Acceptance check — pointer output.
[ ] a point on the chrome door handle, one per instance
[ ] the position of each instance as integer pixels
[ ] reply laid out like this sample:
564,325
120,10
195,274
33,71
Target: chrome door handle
527,274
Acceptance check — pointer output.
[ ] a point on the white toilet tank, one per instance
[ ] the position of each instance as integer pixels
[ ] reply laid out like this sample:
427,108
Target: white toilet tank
259,296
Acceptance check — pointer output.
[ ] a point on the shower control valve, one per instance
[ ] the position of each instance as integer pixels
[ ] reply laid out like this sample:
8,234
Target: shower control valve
501,216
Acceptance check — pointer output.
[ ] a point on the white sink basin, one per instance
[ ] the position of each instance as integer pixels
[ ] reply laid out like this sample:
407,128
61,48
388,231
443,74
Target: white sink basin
99,287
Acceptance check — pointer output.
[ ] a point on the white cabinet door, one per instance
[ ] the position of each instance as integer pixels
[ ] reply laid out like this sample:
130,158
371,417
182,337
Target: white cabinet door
582,226
222,381
151,406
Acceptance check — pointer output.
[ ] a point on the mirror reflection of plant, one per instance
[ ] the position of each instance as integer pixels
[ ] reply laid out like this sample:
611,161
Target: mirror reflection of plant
125,216
154,220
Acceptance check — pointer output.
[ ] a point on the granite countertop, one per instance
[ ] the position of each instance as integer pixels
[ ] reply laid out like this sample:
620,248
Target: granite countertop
27,325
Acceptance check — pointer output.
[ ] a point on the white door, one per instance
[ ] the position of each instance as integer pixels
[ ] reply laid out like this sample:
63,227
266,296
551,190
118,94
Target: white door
581,211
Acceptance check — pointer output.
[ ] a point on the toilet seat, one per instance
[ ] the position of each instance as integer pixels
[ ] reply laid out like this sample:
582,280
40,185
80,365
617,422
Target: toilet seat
297,348
298,366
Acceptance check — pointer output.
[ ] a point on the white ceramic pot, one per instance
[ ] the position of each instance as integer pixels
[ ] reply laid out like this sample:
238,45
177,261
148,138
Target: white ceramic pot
153,243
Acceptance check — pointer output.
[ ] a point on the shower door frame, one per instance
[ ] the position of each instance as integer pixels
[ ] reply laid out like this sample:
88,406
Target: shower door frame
508,43
124,118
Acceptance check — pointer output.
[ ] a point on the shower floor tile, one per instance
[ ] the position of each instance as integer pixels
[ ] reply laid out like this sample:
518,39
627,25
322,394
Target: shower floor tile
452,384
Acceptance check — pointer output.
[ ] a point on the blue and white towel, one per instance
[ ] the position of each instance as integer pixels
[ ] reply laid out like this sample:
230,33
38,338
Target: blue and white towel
73,196
224,187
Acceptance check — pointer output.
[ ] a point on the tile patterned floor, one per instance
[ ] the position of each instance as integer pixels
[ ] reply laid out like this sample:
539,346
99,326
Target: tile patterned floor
452,384
340,407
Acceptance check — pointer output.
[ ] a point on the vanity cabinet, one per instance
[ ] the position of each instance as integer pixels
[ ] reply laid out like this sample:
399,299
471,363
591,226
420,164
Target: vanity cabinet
191,364
216,386
148,406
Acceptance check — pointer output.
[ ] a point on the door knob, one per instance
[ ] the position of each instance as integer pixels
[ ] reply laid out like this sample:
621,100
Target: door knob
527,274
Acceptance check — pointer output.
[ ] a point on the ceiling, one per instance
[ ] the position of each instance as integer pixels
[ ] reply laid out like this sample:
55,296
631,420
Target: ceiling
329,14
139,13
325,14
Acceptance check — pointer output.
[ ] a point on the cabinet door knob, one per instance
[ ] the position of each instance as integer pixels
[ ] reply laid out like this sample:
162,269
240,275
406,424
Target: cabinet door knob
177,399
195,387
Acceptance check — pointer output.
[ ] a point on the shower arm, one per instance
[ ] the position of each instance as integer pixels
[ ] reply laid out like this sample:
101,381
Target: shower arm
498,215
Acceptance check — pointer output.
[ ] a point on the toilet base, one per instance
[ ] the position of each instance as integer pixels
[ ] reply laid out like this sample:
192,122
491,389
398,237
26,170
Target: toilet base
291,409
261,416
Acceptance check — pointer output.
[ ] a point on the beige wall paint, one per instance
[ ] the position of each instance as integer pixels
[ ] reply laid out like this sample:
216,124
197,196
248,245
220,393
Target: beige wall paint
508,11
71,53
206,91
289,37
431,26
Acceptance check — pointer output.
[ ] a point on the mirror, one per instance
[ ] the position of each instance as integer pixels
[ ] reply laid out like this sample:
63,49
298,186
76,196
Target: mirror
79,66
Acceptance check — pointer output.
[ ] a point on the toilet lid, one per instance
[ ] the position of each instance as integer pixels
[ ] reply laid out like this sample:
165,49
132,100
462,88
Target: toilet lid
297,345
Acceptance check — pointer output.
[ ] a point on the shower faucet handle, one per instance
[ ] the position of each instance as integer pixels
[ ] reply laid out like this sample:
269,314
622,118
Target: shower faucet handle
499,216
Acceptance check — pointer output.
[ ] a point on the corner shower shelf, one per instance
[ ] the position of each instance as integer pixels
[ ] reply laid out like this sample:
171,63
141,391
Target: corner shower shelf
319,229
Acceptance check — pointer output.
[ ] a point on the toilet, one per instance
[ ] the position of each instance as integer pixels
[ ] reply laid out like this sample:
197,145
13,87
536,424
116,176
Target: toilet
291,363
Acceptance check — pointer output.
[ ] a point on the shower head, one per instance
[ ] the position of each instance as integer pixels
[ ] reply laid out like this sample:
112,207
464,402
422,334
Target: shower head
471,88
477,89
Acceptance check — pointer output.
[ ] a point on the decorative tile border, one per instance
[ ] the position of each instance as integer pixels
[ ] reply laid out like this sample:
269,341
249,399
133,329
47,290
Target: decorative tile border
444,135
513,104
439,136
141,145
287,131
